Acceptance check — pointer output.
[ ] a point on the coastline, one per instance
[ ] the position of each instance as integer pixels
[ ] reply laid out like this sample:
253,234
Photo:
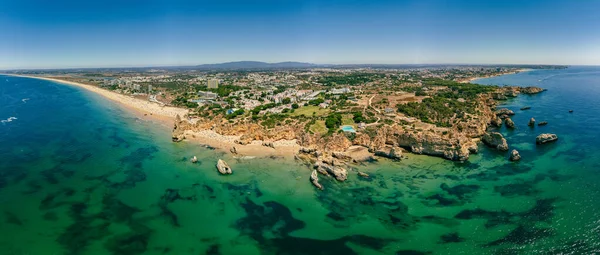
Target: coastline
145,110
496,75
165,116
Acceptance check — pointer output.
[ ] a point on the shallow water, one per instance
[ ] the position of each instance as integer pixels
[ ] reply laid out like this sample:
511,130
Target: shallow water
78,175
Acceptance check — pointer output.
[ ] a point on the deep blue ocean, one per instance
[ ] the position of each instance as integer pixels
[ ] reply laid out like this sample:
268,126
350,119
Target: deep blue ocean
80,175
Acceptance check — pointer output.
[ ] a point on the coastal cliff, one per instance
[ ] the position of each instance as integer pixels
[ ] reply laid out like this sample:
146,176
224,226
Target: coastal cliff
454,143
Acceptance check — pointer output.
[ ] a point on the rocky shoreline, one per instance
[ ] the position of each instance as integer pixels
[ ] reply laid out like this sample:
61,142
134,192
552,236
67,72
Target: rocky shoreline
332,155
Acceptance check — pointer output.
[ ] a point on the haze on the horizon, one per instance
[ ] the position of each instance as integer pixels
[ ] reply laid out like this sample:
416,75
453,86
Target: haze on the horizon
64,34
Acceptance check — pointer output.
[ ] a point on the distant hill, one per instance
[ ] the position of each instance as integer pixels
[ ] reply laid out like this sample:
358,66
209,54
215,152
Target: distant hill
255,65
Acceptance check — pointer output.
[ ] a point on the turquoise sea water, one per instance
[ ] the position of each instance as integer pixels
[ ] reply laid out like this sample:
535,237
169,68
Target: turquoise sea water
78,175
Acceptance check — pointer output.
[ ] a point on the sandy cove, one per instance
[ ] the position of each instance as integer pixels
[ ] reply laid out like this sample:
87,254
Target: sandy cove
165,115
282,148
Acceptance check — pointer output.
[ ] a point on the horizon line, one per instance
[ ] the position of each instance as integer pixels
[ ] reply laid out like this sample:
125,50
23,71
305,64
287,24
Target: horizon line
317,64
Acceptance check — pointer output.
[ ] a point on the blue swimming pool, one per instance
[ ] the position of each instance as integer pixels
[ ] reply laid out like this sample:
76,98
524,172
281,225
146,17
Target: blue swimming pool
348,128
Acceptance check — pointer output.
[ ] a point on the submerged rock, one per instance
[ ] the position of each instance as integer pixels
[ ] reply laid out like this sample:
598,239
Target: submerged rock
543,123
570,111
546,138
531,122
223,167
515,156
363,174
314,179
525,108
509,123
495,140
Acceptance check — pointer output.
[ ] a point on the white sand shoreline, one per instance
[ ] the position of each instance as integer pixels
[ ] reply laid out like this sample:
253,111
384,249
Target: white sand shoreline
164,114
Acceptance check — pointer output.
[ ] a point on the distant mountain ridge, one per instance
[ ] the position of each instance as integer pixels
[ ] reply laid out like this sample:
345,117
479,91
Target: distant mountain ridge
255,65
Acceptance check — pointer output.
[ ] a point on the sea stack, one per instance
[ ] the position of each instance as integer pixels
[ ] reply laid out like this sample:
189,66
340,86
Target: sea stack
531,122
546,138
515,156
223,167
495,140
509,123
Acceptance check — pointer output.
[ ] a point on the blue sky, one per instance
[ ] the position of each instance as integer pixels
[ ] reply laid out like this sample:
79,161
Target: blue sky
61,34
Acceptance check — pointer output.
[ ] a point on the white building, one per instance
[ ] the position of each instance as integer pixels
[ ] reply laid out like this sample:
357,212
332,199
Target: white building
213,83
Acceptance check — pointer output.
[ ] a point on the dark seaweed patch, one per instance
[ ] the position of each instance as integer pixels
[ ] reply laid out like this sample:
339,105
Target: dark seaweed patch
461,191
523,235
542,211
135,242
213,250
451,238
440,200
275,220
50,216
12,218
517,189
412,252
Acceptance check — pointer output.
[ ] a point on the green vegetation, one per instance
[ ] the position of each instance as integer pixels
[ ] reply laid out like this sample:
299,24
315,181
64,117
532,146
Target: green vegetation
286,100
333,121
350,79
295,106
182,101
318,127
309,110
234,114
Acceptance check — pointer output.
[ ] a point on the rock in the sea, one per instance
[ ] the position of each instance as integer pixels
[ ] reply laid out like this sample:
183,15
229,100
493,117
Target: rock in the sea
570,111
495,140
509,123
515,156
338,172
314,179
531,122
194,159
531,90
363,174
525,108
546,138
223,167
496,122
504,111
499,96
543,123
233,150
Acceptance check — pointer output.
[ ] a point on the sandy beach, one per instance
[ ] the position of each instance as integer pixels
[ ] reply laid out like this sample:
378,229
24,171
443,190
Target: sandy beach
141,108
282,148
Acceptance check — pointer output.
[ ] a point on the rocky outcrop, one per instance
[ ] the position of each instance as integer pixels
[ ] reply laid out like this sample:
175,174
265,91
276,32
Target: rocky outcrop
495,140
504,112
525,108
515,156
362,139
391,152
546,138
497,122
194,159
314,179
499,96
233,150
531,122
543,123
326,167
179,127
223,167
531,90
363,174
509,123
268,144
341,155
